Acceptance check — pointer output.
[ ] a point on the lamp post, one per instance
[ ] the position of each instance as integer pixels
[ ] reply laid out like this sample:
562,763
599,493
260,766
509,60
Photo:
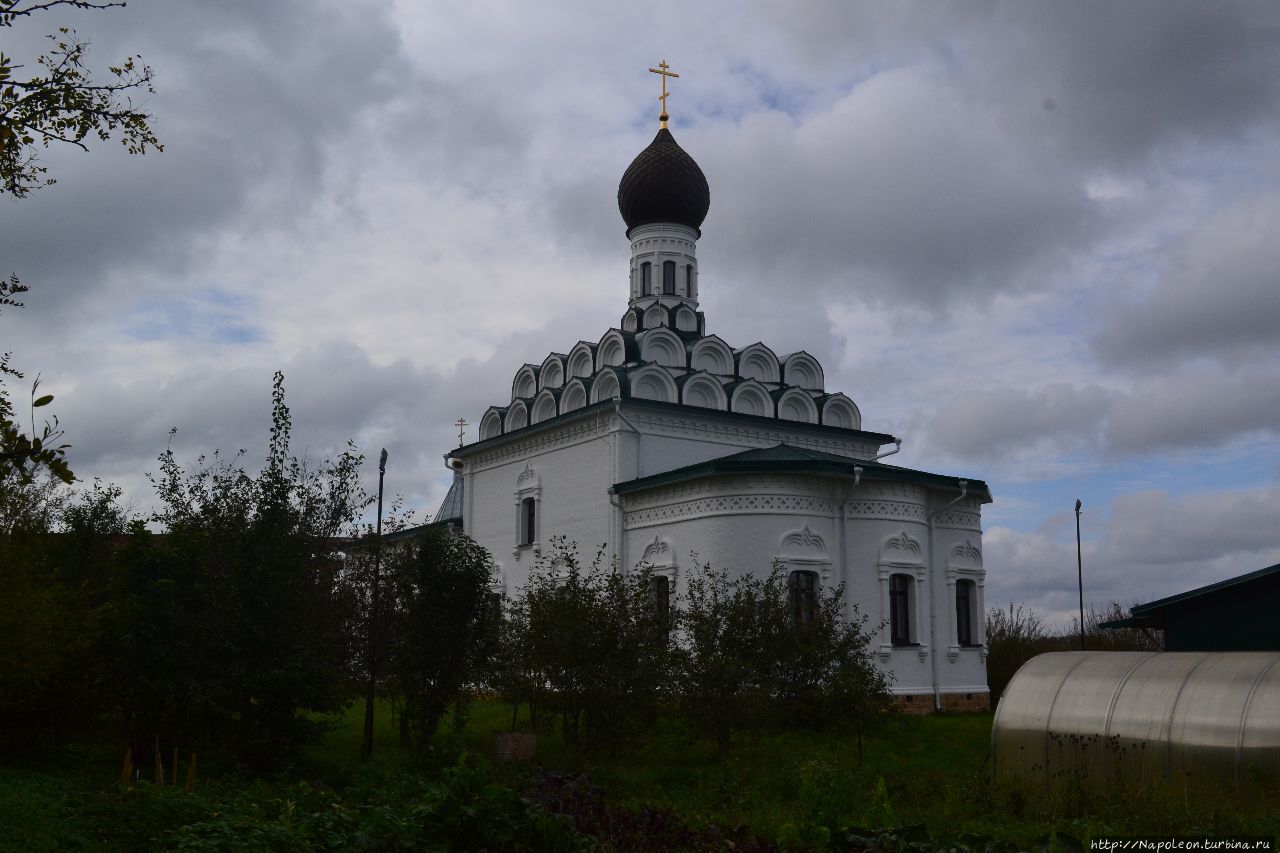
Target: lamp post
371,634
1080,574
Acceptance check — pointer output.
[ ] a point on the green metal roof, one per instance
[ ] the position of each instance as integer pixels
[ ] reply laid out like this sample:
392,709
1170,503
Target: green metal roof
784,458
1148,615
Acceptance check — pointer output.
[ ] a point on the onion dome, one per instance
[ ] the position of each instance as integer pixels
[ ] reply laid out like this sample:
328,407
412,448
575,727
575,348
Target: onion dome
663,184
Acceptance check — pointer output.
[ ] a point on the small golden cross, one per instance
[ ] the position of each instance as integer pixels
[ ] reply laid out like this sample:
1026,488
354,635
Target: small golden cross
460,424
662,69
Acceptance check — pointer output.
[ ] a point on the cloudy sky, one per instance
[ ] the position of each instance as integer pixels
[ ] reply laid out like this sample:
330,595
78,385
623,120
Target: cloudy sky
1040,242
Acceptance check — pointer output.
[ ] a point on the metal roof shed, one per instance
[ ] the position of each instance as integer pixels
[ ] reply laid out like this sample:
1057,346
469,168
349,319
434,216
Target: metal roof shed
1237,614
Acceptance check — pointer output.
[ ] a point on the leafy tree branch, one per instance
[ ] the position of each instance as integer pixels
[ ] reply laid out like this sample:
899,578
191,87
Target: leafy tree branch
63,103
23,454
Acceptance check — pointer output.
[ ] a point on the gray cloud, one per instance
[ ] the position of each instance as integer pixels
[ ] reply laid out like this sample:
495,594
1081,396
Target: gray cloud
1156,529
1220,294
334,391
1194,410
246,105
984,424
399,204
898,191
1102,83
1125,79
1182,410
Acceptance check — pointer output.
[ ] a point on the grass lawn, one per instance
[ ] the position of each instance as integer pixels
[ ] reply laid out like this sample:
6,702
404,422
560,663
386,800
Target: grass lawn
931,771
803,789
789,778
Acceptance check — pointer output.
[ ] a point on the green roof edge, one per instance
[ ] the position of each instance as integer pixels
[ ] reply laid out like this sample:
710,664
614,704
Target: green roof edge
807,461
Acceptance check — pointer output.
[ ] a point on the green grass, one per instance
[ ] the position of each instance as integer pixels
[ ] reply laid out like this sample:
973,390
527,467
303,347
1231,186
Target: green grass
787,779
340,749
802,788
808,786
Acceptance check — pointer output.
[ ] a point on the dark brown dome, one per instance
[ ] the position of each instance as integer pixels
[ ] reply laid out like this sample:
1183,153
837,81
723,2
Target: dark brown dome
663,184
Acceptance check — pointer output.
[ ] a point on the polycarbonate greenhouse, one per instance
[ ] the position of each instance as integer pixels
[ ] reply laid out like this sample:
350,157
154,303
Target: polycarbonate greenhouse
1141,717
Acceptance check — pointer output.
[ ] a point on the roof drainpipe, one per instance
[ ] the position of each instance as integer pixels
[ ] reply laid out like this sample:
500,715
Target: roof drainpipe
933,599
619,530
897,445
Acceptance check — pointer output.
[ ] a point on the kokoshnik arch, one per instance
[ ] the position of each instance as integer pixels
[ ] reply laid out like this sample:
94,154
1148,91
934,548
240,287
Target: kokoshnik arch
661,441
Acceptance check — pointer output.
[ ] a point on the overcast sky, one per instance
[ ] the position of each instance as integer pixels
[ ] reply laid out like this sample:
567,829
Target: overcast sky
1039,242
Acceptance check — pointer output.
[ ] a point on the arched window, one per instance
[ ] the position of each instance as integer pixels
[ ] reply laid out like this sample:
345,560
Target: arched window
660,590
646,279
528,521
900,609
688,280
803,587
668,278
966,607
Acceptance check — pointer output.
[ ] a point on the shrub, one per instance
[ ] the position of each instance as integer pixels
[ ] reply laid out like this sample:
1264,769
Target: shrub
1016,635
586,645
227,632
441,625
749,654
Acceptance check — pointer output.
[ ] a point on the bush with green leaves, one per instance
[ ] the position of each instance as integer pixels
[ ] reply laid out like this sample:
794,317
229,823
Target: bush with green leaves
750,655
441,626
587,645
595,649
56,550
228,631
460,808
1017,633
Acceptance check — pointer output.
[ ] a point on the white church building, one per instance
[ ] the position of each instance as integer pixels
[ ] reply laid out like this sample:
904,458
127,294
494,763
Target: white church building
660,441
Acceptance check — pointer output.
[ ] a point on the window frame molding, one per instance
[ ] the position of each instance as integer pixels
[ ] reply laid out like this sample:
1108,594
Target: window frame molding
659,556
964,562
804,550
902,555
528,487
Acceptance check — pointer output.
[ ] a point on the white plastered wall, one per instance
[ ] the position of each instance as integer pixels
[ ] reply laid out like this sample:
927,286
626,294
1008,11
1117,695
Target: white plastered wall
741,523
571,465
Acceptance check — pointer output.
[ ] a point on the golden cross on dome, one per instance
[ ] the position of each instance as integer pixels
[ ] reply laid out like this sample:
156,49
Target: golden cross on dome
662,69
461,425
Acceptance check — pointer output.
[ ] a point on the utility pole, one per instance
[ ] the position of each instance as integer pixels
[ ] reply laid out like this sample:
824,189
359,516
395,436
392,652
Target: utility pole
1080,573
371,634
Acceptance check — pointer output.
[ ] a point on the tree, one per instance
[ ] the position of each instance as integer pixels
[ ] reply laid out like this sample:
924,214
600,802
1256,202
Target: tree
1017,634
852,693
230,629
749,657
729,651
62,102
441,625
55,569
589,646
